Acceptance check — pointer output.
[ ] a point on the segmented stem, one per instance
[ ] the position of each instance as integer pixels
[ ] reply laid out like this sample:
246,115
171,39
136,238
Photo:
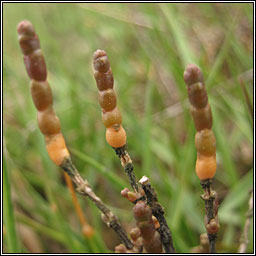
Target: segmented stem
151,238
147,225
128,166
111,116
49,123
112,120
206,147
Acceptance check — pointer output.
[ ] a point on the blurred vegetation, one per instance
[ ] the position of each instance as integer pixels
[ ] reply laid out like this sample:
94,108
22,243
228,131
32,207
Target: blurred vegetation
149,46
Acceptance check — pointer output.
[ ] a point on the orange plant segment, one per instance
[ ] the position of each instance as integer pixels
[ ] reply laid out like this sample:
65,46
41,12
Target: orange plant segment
88,231
205,166
56,148
116,137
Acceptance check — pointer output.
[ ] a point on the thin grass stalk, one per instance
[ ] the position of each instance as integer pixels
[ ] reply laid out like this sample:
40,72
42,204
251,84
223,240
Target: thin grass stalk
247,98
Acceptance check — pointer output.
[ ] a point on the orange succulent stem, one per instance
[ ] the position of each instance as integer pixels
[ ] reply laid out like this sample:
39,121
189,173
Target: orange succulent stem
49,123
205,143
111,116
86,228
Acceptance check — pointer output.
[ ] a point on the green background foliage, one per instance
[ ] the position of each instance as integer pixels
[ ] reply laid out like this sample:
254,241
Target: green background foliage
149,46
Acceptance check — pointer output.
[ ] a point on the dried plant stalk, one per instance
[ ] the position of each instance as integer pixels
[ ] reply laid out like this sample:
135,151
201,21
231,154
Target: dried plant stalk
158,212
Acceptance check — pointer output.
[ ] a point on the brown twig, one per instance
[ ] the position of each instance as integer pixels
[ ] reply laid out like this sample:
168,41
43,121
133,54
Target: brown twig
84,188
158,212
211,210
244,238
127,164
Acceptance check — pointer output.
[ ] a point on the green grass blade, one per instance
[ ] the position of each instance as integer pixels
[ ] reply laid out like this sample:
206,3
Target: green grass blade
235,198
222,143
221,55
178,34
9,220
146,155
56,235
115,180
